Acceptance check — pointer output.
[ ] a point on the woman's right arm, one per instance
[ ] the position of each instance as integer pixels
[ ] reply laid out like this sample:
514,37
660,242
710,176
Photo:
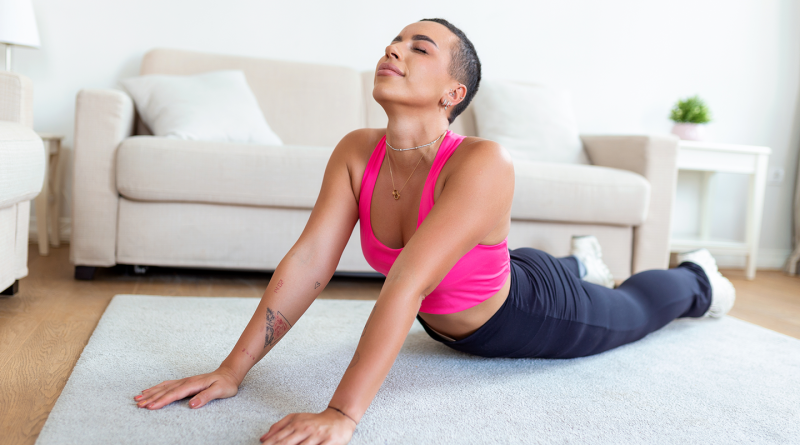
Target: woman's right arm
298,280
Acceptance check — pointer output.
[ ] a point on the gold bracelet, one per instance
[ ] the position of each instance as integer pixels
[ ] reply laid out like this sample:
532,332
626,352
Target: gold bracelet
337,409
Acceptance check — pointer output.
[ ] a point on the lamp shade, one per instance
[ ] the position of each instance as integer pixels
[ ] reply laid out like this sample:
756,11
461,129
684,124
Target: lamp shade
18,24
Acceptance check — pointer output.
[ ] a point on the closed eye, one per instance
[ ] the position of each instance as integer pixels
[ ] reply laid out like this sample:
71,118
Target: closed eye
421,50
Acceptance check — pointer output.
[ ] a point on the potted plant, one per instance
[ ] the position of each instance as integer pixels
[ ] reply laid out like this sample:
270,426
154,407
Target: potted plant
690,115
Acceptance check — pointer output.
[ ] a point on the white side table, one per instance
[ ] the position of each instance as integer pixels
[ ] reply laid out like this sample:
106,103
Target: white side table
48,202
711,158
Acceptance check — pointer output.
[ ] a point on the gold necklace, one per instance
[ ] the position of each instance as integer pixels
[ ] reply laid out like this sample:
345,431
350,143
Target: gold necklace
395,192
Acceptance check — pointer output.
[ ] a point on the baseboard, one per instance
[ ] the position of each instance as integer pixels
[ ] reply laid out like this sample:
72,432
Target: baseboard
767,259
64,230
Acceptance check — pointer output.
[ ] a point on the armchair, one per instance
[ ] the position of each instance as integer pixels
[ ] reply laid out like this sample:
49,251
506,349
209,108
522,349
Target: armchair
21,176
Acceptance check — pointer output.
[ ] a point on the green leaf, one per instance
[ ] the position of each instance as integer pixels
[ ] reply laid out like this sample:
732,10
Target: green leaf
691,110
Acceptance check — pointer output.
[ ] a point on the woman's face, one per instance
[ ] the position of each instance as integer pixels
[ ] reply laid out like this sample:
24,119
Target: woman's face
415,68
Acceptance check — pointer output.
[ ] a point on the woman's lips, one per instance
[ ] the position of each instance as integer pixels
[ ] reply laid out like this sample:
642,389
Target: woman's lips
387,69
388,73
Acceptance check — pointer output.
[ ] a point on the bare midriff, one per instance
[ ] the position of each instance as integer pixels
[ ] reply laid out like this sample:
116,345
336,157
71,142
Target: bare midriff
463,323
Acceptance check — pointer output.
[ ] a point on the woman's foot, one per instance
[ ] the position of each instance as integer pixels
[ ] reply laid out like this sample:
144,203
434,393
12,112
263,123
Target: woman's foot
586,249
723,294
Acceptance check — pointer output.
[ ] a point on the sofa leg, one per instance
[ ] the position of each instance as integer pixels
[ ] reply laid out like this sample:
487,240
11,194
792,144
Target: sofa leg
84,273
11,290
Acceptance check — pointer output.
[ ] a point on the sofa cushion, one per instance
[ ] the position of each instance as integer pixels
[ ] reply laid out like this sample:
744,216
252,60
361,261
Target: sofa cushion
533,122
547,191
21,163
213,106
160,169
305,104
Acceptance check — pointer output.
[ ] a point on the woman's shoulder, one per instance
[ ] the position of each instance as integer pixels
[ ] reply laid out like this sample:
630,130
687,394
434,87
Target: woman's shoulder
475,150
479,143
361,141
355,150
476,157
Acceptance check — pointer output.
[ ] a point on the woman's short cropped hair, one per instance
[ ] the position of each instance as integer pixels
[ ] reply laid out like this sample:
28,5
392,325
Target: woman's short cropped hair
465,66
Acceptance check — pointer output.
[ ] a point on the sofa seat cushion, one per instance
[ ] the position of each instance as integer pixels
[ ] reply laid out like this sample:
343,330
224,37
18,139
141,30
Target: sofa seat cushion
21,163
579,193
160,169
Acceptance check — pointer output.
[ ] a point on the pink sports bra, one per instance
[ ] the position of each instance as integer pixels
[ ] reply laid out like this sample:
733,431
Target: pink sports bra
478,275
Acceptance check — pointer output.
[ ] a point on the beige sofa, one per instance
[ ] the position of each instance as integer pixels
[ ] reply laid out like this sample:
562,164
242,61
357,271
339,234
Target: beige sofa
144,200
21,176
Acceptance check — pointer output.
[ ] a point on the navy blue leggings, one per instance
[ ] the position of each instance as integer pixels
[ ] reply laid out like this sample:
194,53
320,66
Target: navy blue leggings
551,313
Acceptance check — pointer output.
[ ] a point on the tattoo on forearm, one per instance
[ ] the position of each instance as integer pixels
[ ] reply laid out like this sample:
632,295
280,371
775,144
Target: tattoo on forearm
353,362
316,285
249,354
277,325
278,286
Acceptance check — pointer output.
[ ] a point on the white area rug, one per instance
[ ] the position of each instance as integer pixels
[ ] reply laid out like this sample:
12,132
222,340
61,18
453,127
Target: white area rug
695,381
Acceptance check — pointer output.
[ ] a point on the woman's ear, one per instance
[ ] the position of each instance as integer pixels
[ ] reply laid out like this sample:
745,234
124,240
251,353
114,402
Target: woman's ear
453,97
456,95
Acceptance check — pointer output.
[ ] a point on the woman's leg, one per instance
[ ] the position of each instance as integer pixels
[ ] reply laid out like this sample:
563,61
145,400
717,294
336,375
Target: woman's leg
576,318
551,313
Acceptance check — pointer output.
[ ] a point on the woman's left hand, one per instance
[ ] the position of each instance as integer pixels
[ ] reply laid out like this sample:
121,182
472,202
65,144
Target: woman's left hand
328,427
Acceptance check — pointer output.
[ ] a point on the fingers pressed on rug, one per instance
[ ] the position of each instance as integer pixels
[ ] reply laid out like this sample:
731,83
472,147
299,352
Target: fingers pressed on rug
204,388
326,427
166,396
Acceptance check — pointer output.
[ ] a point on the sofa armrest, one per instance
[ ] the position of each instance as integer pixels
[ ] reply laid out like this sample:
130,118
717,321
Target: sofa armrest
655,158
16,98
103,118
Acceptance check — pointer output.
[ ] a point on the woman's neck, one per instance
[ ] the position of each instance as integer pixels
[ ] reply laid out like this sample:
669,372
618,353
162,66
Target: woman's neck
406,131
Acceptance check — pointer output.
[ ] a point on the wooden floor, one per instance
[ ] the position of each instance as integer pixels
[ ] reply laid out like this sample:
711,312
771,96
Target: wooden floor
44,328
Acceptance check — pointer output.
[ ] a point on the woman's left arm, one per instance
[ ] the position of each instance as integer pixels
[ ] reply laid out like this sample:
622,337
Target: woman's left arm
474,200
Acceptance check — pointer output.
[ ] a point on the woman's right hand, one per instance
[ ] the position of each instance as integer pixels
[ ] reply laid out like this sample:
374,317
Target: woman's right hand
219,384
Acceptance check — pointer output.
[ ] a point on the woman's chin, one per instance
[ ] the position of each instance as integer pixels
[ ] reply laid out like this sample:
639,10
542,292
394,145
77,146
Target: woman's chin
384,93
390,96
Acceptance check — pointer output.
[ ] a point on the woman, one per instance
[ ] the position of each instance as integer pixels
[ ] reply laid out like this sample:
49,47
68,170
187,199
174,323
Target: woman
435,214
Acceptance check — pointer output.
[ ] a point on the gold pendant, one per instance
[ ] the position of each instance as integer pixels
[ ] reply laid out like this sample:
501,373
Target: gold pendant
396,194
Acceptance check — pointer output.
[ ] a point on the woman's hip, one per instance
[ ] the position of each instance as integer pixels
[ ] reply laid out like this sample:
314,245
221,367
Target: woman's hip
500,335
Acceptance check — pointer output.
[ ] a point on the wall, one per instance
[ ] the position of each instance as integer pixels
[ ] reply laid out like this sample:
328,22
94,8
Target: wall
625,61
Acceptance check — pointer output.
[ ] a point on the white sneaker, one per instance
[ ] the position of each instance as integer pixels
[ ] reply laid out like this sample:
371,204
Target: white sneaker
587,249
723,294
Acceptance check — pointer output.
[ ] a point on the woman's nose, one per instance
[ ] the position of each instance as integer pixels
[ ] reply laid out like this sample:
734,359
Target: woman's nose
392,52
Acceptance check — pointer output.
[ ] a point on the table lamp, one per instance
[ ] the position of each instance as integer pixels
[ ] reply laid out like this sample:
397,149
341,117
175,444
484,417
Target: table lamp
17,26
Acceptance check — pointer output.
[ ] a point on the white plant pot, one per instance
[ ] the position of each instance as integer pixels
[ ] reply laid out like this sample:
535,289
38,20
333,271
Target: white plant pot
689,132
